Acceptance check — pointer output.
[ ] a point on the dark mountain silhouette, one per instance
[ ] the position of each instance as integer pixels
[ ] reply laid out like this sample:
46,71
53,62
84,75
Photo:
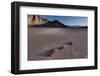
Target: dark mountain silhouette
55,24
78,26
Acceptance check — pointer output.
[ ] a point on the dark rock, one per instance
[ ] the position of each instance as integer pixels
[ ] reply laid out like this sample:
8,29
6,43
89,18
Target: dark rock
47,53
68,43
60,47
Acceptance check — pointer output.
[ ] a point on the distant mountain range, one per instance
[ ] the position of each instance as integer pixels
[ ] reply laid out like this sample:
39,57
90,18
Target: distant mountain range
37,21
54,23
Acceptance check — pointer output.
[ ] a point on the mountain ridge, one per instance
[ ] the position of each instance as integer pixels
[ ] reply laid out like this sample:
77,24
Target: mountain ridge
38,21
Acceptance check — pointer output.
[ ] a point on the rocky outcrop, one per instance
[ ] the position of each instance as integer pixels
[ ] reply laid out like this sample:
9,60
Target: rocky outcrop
36,20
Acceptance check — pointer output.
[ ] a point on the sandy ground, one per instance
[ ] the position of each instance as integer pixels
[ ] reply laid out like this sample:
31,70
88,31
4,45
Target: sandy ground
40,40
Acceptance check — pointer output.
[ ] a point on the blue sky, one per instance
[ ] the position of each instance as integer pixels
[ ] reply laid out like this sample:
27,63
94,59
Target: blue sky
69,20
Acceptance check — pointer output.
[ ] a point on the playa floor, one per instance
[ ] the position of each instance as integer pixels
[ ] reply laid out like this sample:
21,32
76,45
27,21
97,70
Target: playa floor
57,43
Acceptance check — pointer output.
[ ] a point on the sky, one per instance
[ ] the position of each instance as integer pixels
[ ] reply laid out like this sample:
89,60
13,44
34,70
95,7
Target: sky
69,20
